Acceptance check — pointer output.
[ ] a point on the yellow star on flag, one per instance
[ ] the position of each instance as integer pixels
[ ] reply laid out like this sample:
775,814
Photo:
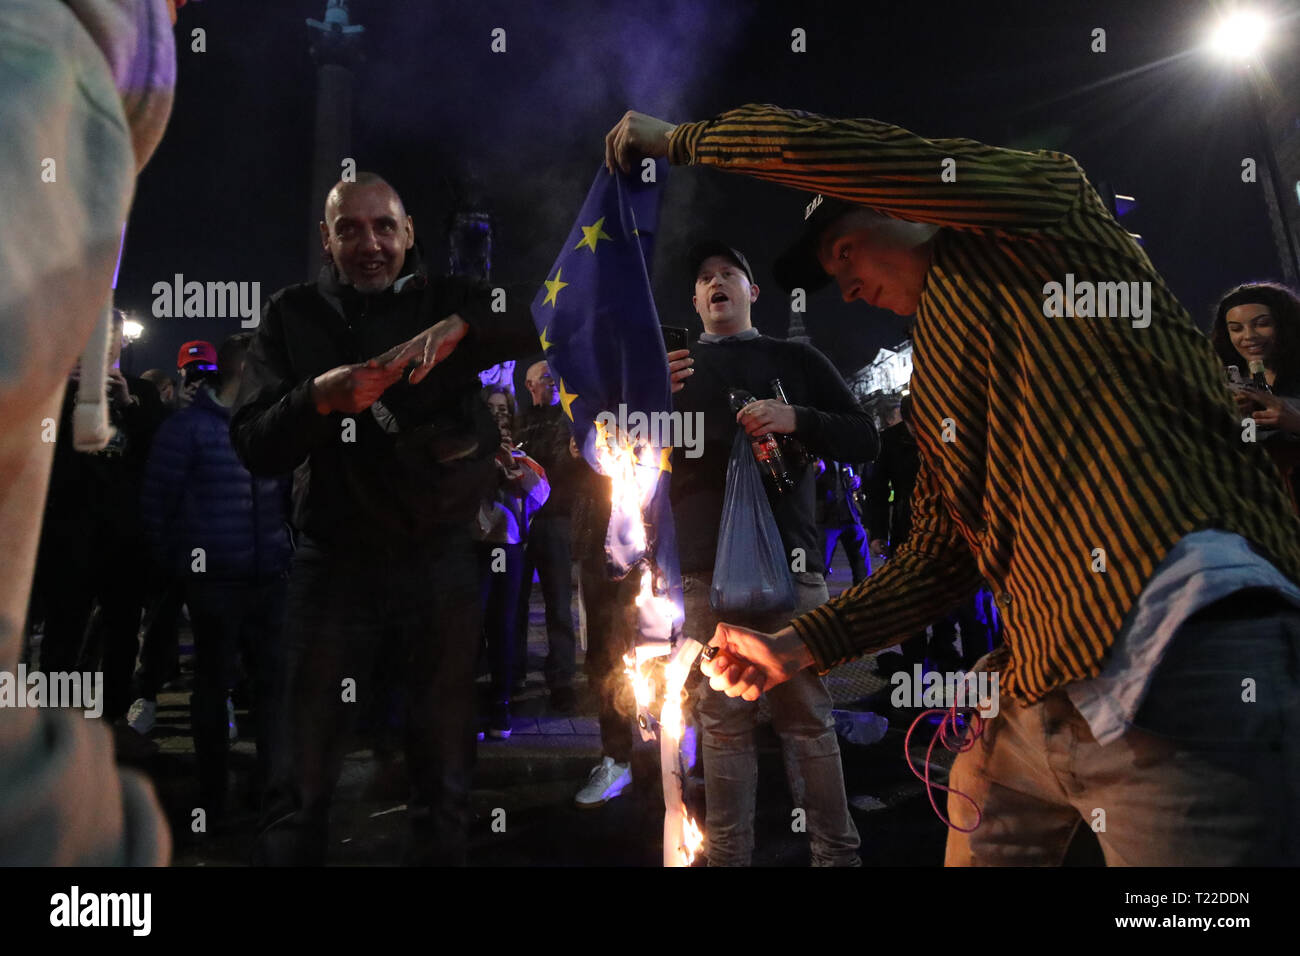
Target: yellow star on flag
593,234
545,344
566,399
553,287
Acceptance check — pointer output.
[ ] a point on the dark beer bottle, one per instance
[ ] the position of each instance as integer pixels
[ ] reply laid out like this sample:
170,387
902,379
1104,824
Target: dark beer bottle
767,450
1257,377
796,455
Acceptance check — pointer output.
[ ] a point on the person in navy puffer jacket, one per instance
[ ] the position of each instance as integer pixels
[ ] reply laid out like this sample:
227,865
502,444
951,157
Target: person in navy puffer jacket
226,534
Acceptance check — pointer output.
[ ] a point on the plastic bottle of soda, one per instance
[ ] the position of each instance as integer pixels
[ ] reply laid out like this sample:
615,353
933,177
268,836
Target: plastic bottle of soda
767,450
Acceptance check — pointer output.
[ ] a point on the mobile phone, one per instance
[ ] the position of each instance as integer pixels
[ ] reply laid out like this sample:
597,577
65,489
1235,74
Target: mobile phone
1233,375
196,372
675,338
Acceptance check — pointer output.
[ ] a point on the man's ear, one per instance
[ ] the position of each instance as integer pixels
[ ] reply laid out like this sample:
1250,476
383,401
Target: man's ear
753,293
410,232
325,239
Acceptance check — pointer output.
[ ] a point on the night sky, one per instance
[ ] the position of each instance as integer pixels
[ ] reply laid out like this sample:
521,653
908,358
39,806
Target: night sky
437,113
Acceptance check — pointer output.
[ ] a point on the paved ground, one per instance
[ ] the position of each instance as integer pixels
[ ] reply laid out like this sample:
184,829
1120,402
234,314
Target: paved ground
533,776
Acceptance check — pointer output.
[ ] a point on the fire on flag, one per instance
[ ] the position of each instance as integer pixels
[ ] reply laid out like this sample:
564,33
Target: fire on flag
599,329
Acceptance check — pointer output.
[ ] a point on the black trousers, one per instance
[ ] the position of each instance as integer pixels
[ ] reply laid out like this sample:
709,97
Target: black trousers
502,573
82,564
160,645
610,634
549,552
345,608
230,619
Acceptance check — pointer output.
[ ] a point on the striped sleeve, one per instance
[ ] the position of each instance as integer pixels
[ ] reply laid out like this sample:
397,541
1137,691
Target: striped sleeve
927,577
886,167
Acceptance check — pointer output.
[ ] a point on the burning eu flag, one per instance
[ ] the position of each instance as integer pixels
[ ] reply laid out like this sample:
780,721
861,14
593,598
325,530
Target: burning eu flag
600,331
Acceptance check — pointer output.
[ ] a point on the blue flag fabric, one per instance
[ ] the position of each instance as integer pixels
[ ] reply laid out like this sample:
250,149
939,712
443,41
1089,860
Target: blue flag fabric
600,331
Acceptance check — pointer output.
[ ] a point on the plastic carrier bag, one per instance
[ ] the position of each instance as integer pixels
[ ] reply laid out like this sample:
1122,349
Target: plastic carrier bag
749,570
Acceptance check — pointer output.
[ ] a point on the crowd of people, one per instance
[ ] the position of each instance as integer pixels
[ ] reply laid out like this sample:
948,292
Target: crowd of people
351,523
170,521
195,535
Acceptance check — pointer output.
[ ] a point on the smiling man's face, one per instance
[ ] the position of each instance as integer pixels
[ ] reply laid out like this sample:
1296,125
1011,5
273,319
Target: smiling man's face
366,233
881,261
723,296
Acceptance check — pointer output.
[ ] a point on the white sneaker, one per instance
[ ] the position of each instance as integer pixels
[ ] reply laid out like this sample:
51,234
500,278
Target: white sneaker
142,715
608,779
230,720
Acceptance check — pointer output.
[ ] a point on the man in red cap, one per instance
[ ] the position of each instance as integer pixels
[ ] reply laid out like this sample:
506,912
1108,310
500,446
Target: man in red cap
196,363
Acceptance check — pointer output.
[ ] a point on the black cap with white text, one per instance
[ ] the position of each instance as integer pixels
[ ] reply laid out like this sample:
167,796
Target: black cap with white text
798,267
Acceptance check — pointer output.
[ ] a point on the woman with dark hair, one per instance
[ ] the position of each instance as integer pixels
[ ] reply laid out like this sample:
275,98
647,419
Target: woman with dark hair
1260,322
519,490
1257,332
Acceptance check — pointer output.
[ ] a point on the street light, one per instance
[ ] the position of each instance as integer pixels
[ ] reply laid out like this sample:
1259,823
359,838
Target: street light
1240,35
132,329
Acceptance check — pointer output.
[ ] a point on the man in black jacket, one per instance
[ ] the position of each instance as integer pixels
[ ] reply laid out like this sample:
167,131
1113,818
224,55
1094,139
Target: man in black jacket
397,466
889,524
889,489
92,543
838,515
825,417
544,430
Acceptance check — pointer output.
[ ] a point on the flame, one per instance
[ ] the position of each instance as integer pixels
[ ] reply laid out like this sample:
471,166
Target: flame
670,718
642,685
637,667
633,473
617,458
672,724
693,839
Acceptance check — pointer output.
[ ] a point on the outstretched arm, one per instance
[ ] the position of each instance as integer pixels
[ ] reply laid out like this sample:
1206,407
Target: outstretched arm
869,163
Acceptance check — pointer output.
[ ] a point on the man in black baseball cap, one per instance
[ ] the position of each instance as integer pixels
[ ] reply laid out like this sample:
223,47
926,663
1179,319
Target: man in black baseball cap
731,353
887,259
705,248
797,267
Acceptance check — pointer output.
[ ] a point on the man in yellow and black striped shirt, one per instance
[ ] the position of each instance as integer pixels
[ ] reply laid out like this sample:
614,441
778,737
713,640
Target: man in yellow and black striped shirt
1080,454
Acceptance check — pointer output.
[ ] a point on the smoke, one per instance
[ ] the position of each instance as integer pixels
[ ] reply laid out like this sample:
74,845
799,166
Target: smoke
527,126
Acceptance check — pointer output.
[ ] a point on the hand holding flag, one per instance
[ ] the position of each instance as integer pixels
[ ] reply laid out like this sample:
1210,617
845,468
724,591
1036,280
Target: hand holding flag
596,319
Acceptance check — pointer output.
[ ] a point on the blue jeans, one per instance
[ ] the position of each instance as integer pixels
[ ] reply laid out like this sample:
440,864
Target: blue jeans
854,541
1207,775
801,716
